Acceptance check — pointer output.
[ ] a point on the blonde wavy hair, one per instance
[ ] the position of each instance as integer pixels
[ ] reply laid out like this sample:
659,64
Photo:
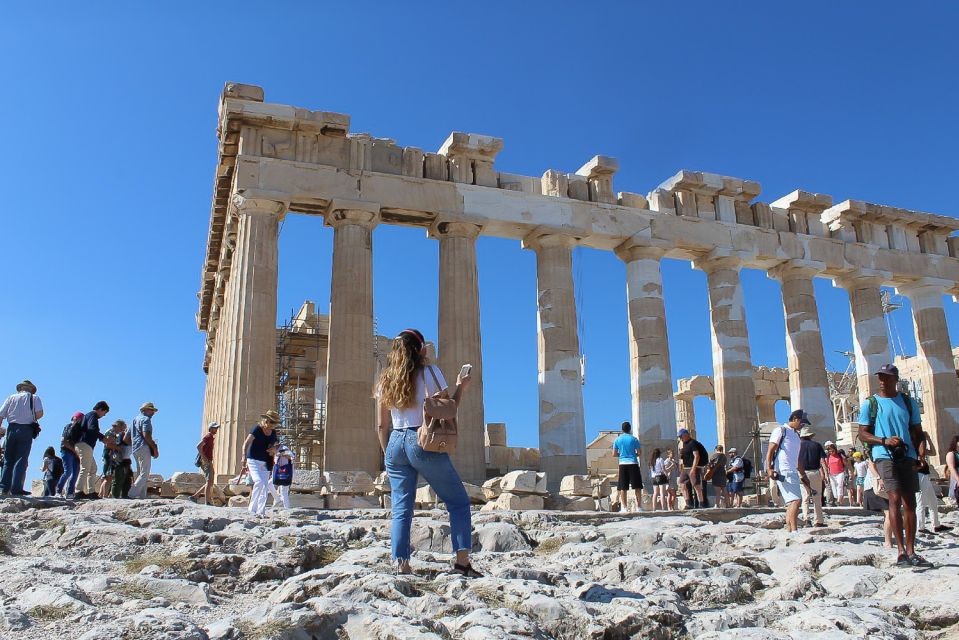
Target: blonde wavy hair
397,381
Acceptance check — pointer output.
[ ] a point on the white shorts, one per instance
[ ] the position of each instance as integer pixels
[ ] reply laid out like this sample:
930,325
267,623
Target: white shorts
790,487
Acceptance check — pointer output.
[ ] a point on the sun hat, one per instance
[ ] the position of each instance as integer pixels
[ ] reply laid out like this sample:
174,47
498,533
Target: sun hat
829,443
271,416
148,405
805,432
26,385
212,425
733,450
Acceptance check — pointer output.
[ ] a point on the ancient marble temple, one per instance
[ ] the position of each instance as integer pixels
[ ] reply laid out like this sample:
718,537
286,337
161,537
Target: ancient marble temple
276,159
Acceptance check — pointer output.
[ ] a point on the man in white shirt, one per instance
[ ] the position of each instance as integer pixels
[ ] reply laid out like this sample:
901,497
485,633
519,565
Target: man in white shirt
782,464
22,411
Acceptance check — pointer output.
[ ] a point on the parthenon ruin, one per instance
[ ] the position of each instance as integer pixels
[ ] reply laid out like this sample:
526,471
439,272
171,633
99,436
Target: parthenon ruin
275,159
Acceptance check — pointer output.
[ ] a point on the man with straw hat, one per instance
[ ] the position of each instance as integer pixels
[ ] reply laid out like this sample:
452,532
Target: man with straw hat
22,411
143,447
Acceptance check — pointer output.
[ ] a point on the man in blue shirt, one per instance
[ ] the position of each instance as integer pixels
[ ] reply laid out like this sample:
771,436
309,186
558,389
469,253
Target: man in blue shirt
889,421
90,429
628,449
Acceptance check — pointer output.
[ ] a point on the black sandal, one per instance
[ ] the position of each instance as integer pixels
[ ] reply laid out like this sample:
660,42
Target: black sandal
466,571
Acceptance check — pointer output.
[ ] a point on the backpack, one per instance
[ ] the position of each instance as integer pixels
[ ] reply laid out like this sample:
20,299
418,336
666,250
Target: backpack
439,431
74,431
747,468
57,468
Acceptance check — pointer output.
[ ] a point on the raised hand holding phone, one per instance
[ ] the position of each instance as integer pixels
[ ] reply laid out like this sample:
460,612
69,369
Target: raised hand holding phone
464,376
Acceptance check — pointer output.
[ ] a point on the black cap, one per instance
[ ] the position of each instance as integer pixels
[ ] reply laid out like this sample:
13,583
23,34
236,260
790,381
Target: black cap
888,370
799,413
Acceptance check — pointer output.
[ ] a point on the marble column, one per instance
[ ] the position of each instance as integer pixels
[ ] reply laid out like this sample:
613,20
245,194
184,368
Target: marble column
767,408
685,416
562,434
350,436
459,339
651,382
735,390
808,385
870,339
247,335
940,387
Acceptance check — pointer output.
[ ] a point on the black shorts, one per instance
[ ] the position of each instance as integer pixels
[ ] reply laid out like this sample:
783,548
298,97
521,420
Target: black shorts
872,502
899,475
629,475
660,479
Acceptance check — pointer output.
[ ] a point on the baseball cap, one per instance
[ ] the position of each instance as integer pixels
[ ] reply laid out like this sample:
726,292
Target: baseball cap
78,414
683,432
799,413
888,370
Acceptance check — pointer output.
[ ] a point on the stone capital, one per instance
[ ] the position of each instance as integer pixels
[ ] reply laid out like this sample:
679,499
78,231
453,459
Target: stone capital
247,203
925,286
721,259
796,270
862,279
471,145
545,238
341,212
454,229
632,250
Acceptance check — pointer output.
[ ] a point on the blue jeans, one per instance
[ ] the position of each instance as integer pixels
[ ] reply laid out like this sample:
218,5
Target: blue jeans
71,469
16,451
405,461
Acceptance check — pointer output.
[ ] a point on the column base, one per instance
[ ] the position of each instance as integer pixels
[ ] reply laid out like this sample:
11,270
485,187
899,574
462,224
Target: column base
558,467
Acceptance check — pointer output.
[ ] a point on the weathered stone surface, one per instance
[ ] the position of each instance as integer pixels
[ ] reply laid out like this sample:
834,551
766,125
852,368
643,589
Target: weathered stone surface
346,501
185,482
524,482
491,488
348,482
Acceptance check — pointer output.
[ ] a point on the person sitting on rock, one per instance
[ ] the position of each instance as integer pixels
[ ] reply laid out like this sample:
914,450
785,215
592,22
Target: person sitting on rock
283,475
402,387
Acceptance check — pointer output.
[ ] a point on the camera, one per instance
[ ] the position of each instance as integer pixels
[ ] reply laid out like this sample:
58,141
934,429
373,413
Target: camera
775,475
898,452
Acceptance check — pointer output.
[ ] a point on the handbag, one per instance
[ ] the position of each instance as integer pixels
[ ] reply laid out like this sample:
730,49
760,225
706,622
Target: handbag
35,425
438,432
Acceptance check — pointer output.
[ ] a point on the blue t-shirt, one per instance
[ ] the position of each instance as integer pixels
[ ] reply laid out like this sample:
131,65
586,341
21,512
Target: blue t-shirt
892,419
626,446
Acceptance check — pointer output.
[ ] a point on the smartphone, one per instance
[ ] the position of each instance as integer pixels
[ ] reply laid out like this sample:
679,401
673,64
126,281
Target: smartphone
465,370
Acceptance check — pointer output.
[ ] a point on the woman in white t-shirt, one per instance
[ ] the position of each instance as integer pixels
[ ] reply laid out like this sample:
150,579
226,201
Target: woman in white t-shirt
403,385
658,476
671,469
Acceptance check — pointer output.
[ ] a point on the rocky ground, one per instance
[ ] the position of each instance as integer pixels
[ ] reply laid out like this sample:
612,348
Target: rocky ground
165,569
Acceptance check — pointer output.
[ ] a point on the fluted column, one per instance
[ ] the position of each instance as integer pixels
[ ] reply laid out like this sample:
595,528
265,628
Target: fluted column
247,334
685,416
732,364
870,339
350,438
808,385
459,339
651,382
940,387
562,434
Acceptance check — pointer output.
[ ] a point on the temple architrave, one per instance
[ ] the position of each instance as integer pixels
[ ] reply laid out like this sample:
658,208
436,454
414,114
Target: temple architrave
276,159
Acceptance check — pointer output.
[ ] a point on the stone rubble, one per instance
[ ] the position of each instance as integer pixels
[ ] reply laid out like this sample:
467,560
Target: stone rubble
172,569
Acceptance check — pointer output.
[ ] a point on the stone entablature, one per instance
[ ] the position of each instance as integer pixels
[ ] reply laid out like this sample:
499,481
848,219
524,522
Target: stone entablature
276,159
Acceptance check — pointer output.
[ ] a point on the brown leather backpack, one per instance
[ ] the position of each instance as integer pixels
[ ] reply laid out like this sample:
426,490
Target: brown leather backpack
438,432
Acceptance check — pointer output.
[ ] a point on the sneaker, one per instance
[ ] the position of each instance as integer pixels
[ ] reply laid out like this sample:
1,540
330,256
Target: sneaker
942,528
820,524
916,560
903,561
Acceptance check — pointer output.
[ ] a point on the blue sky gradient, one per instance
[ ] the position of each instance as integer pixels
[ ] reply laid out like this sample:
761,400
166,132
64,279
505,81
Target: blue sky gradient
110,148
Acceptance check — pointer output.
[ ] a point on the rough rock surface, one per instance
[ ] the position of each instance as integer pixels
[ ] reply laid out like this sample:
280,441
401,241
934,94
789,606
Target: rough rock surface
173,569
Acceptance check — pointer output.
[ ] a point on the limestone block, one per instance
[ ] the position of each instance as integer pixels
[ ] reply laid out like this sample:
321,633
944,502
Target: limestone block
426,497
387,157
476,494
529,458
491,488
601,487
348,482
307,481
413,162
580,503
386,500
516,502
495,434
239,501
167,490
237,490
576,485
36,488
744,213
601,504
662,201
524,482
634,200
343,501
187,482
498,458
578,187
435,167
766,388
307,501
154,480
382,484
555,183
782,389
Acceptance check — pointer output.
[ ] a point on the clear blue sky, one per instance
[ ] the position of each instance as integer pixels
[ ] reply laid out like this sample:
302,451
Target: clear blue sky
109,113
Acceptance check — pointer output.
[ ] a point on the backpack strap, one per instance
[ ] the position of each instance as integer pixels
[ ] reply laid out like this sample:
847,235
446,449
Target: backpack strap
435,380
873,410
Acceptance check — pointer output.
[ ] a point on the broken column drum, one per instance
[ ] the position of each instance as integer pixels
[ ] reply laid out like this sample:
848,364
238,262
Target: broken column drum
276,159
